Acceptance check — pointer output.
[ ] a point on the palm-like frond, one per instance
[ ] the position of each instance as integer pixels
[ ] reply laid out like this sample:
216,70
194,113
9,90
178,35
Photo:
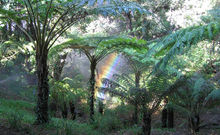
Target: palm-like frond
192,94
184,38
213,96
113,84
112,7
125,80
99,44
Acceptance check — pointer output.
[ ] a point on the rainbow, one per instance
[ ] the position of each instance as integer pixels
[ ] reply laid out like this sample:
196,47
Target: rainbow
107,68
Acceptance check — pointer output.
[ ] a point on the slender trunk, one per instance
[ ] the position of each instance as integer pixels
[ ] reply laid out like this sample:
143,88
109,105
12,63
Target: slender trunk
92,88
137,85
137,79
5,33
129,22
146,123
164,117
170,117
64,111
101,107
136,114
194,123
59,64
9,28
53,108
43,87
17,31
72,110
197,123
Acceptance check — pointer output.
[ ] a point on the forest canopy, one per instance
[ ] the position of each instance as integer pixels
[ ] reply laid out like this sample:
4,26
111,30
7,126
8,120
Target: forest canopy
90,67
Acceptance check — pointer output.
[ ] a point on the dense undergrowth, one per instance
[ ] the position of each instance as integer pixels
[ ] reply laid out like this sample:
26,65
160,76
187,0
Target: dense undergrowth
19,116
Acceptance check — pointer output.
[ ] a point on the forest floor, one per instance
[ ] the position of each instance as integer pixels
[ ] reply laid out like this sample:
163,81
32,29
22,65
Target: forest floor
10,125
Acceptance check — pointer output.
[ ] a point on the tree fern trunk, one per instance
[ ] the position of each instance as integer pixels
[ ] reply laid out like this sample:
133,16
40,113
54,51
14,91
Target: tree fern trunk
170,117
64,111
101,107
137,84
72,110
136,114
164,117
137,79
194,122
92,88
43,87
146,127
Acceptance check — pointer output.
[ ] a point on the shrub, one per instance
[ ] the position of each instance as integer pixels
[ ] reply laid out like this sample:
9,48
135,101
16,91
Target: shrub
125,114
107,122
15,119
135,130
68,127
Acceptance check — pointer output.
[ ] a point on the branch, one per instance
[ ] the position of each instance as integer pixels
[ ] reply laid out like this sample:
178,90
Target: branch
35,25
31,20
57,37
54,26
22,29
87,54
45,21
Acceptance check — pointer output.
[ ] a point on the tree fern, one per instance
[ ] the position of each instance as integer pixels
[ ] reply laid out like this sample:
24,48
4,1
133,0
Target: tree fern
191,98
184,38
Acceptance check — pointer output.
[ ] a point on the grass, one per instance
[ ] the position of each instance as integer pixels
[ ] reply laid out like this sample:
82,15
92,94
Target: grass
20,107
20,115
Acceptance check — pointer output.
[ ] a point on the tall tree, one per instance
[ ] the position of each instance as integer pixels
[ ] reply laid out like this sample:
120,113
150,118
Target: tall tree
96,49
50,19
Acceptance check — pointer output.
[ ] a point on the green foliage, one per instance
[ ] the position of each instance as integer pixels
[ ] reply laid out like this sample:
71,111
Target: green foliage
72,128
113,7
62,92
184,38
213,96
152,91
125,114
107,122
15,119
16,113
99,44
134,130
191,96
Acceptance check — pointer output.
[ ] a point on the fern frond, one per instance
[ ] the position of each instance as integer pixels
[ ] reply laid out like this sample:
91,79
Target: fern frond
113,84
175,43
112,7
124,79
213,96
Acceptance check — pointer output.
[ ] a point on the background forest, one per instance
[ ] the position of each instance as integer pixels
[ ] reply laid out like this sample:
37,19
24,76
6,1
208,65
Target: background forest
109,67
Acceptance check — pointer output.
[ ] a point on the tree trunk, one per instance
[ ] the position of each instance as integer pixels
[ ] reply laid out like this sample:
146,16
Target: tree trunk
59,64
170,117
136,114
101,107
43,87
64,111
164,117
137,79
137,85
194,123
92,88
72,110
146,123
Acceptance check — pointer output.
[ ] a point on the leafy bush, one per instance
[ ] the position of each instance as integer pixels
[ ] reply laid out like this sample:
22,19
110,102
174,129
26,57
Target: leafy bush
135,130
125,114
107,122
72,128
15,119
